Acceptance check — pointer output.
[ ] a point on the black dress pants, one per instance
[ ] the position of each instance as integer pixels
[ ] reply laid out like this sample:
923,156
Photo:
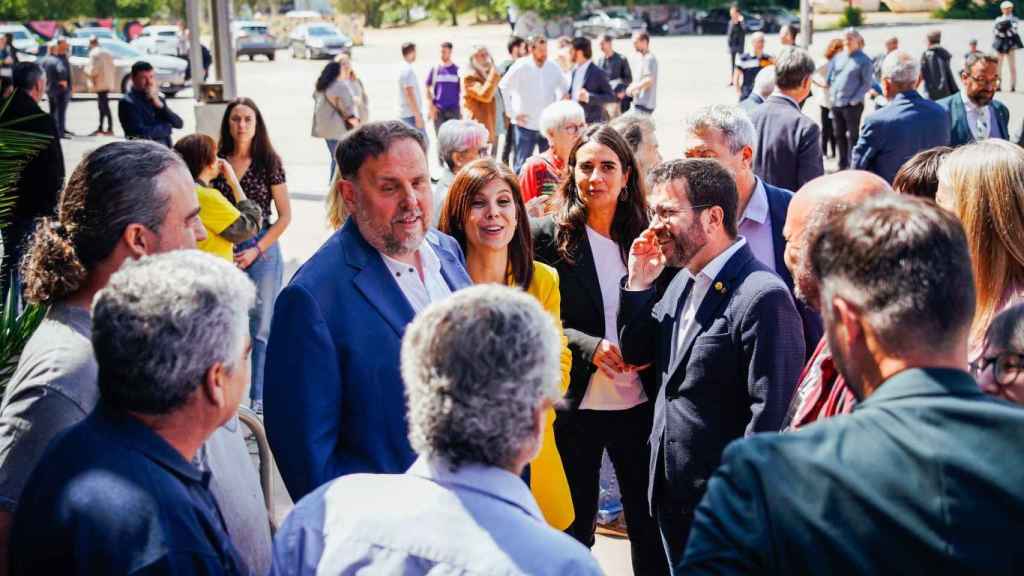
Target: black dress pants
103,100
582,436
847,128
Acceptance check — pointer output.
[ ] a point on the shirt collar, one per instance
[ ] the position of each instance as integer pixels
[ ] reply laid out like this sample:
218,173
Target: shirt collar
148,443
428,259
969,104
757,208
489,480
784,97
712,269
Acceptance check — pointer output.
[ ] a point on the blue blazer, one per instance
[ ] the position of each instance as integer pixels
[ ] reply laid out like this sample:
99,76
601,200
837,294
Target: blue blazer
595,82
907,125
778,207
734,377
334,397
924,477
960,132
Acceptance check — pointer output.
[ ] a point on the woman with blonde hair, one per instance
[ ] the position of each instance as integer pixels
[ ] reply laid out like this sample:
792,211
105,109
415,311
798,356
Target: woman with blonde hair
983,184
484,211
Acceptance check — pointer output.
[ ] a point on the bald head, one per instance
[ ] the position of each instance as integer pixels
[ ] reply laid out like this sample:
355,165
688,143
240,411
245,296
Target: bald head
811,209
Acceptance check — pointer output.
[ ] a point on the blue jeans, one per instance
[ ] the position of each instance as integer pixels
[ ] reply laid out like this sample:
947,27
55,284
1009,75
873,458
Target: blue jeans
411,121
267,273
526,141
332,145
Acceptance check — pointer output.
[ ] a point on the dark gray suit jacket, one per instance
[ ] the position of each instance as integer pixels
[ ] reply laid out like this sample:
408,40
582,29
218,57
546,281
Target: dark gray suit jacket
788,150
924,477
734,378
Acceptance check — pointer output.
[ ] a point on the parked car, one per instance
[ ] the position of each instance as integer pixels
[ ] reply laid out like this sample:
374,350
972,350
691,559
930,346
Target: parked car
617,23
24,40
716,21
318,40
169,71
97,31
159,40
775,17
252,38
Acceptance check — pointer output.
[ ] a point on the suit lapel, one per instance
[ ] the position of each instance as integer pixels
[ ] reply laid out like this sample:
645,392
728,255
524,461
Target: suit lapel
713,301
586,273
778,206
374,280
452,269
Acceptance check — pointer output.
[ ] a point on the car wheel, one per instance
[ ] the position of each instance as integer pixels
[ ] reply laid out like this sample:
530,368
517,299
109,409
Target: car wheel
271,56
170,93
251,56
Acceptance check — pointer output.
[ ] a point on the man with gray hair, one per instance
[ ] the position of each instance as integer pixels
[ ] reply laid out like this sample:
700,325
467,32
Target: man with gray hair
925,476
481,371
118,493
764,85
459,142
639,131
788,149
125,200
725,133
907,125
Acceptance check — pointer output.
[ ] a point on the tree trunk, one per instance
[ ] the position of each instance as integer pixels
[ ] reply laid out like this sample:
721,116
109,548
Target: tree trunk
455,16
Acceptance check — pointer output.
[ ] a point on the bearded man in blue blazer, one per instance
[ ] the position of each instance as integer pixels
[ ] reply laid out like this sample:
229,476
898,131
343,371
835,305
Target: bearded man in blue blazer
724,339
974,113
334,398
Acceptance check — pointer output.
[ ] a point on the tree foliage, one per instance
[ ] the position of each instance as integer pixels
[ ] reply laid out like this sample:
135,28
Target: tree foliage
23,10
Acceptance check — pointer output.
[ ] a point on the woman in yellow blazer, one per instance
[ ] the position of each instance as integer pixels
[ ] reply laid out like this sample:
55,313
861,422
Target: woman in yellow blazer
485,213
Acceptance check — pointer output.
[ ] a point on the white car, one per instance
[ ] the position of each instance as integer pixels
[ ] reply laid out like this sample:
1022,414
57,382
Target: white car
169,71
318,40
164,40
97,31
24,40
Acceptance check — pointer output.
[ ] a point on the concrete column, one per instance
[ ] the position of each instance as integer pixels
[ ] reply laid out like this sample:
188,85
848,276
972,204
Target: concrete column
224,53
806,32
195,55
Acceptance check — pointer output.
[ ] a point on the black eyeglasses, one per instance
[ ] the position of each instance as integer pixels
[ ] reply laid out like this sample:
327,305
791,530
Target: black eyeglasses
667,213
1007,367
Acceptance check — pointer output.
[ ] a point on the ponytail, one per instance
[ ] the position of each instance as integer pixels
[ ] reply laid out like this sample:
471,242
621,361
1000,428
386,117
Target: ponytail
50,270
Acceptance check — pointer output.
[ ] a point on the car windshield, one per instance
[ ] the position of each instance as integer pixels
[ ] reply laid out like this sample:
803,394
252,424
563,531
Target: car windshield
255,29
616,14
167,33
17,33
119,50
323,31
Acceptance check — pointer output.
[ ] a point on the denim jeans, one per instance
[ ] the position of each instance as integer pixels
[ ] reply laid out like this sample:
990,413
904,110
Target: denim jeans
267,273
332,145
526,140
411,121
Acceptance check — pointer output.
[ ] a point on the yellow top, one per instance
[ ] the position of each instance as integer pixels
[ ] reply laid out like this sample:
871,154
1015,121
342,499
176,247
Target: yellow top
547,476
216,214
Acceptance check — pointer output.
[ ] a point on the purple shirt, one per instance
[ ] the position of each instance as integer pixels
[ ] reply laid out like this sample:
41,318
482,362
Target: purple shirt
447,93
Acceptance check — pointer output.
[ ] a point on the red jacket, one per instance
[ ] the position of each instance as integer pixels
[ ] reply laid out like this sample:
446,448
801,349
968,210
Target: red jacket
821,393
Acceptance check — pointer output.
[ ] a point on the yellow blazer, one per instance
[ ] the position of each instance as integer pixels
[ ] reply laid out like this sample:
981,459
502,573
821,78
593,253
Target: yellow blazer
547,477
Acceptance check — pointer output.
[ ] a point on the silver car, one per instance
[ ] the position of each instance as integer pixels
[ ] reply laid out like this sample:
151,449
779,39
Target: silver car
252,38
169,71
24,40
318,40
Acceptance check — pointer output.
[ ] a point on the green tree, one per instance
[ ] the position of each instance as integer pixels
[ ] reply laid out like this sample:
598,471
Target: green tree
372,10
549,8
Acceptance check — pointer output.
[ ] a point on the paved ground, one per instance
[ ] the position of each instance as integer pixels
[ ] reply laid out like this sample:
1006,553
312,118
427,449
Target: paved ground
693,73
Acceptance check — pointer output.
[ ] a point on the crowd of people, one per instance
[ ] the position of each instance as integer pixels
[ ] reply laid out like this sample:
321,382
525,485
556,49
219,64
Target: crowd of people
788,371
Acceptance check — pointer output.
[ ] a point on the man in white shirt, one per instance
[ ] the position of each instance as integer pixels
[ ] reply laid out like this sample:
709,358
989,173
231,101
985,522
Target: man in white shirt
529,86
724,132
410,101
725,338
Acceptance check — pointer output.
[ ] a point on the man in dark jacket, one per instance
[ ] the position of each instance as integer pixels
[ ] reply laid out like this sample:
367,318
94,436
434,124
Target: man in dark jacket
588,84
925,476
41,180
58,84
724,339
907,125
788,151
620,75
974,113
142,112
936,73
736,39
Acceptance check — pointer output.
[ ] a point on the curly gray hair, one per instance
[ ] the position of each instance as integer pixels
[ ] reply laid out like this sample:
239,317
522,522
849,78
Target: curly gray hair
730,121
476,366
162,322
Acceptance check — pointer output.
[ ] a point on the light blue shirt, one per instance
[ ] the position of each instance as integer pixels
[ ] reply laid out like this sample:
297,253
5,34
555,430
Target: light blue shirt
850,76
476,520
